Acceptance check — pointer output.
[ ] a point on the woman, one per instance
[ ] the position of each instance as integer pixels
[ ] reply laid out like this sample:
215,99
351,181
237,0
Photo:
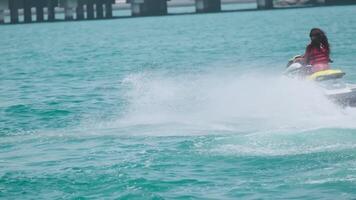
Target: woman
317,53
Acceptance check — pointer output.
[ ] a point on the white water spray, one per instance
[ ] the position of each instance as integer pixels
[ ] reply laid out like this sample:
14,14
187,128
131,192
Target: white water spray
229,102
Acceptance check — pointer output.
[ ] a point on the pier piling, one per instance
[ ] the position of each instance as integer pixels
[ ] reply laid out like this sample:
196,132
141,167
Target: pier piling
99,9
90,9
27,11
108,8
3,6
264,4
68,13
69,8
80,10
202,6
51,9
14,12
148,7
2,17
39,10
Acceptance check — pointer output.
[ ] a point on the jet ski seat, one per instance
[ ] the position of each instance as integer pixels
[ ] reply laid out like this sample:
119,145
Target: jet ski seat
326,75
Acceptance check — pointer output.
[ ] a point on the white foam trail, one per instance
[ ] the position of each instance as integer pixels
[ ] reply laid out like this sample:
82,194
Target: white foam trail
229,102
280,144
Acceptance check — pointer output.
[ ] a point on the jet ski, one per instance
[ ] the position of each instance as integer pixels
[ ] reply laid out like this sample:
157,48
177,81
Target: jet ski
330,81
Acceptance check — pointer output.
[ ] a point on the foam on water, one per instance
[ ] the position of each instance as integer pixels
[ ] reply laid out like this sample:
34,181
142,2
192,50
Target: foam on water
285,143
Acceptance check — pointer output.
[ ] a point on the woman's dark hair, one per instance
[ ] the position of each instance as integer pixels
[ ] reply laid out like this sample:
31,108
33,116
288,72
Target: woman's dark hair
320,34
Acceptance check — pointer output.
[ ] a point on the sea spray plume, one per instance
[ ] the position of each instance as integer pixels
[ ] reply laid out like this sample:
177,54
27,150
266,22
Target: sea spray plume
233,102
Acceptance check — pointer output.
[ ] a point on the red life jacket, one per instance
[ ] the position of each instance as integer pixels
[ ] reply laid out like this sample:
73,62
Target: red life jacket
317,56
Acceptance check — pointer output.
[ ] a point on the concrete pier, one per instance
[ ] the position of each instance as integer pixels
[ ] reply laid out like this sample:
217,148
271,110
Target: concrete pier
99,9
148,7
264,4
202,6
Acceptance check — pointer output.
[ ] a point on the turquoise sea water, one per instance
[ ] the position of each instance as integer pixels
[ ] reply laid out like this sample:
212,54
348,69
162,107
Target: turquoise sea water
178,107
